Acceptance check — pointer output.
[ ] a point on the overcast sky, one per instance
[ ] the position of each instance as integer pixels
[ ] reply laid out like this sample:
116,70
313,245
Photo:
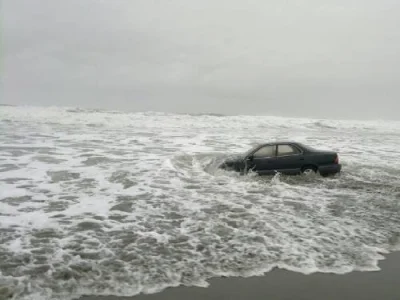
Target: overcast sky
338,58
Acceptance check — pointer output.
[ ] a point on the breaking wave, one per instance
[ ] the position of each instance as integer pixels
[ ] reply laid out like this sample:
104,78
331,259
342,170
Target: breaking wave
103,203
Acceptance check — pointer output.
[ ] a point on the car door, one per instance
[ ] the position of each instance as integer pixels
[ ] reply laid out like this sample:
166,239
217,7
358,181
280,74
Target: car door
289,158
263,161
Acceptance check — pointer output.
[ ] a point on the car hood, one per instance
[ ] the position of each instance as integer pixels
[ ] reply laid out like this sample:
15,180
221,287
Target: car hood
234,158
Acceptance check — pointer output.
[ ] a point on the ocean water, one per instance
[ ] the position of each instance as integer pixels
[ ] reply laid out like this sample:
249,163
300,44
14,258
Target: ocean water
104,202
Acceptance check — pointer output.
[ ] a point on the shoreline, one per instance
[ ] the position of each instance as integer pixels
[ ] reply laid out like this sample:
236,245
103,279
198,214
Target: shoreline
286,285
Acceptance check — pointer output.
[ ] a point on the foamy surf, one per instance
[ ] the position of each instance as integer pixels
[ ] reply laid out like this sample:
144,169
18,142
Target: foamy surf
96,202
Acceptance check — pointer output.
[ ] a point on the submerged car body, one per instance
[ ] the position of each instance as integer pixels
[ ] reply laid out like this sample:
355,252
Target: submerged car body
290,158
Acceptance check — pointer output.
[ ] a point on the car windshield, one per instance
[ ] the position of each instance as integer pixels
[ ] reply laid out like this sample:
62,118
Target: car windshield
248,152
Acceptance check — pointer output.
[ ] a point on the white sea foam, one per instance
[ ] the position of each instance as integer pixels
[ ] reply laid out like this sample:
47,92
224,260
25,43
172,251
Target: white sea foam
96,202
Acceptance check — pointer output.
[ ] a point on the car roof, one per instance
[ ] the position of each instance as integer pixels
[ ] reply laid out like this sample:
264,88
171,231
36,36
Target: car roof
280,142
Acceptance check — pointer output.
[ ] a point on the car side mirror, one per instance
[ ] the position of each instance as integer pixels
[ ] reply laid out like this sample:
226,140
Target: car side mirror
250,158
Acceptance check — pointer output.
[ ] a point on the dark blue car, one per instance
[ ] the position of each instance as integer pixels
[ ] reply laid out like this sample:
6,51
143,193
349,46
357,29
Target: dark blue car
288,158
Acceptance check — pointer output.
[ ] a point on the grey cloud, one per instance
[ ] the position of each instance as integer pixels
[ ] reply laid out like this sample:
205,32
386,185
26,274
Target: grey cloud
305,58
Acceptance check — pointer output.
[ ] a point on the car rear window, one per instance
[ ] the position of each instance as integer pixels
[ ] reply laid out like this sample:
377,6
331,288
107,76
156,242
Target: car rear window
287,150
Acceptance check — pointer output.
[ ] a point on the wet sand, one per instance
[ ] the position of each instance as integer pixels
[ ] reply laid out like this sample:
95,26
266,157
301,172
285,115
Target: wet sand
285,285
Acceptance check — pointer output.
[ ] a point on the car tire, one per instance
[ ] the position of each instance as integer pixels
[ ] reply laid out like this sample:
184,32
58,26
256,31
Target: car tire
308,170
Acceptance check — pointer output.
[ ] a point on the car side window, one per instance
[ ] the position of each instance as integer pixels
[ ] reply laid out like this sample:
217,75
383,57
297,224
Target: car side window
284,150
266,151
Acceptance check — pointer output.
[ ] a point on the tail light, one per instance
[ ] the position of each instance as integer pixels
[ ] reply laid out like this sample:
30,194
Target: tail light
336,159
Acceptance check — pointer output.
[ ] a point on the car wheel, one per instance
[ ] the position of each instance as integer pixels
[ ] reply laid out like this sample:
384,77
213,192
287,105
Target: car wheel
309,170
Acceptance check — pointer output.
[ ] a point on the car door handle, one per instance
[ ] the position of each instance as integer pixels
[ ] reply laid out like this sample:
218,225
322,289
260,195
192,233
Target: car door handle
301,158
